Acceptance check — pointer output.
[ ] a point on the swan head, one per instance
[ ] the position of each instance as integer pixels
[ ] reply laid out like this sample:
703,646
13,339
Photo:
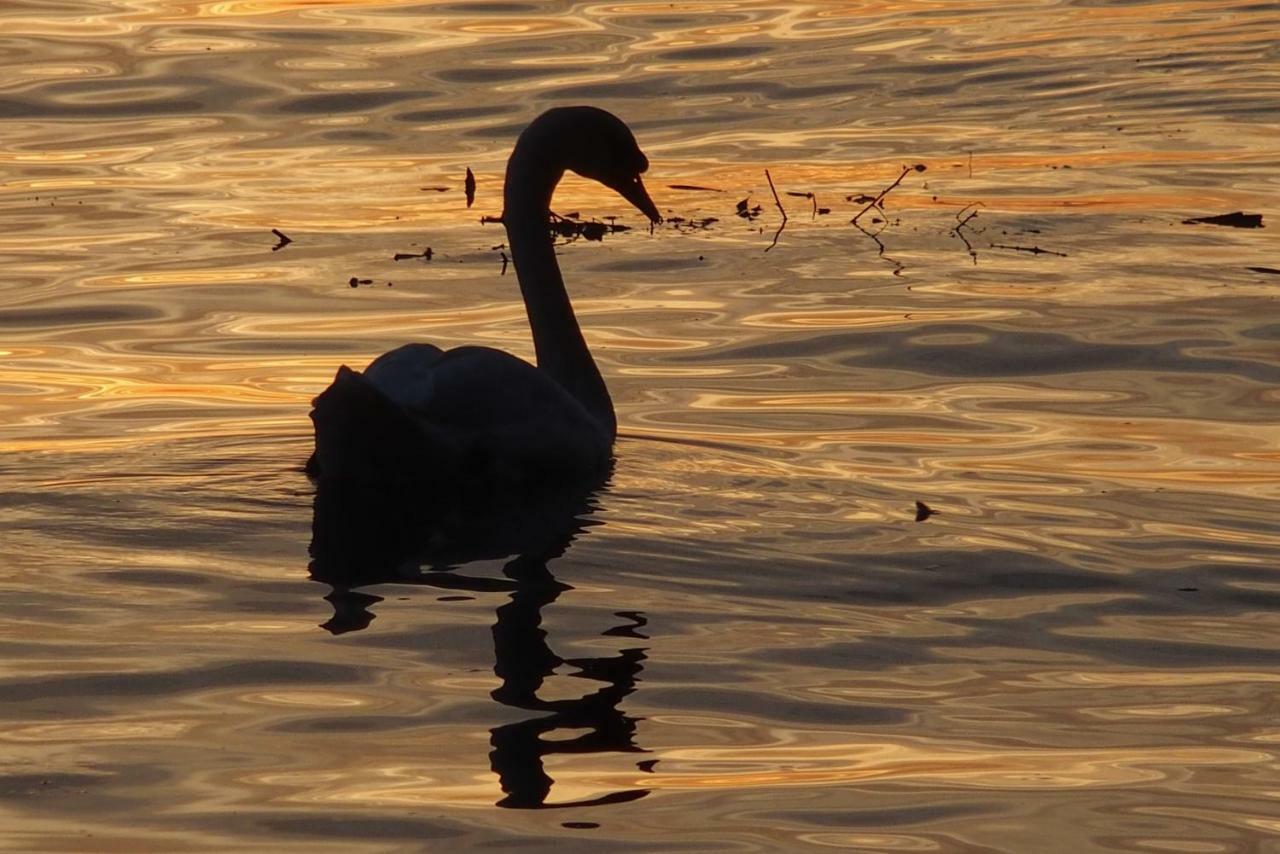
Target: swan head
598,145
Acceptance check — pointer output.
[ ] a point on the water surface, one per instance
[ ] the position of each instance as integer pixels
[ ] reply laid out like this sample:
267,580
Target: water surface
746,642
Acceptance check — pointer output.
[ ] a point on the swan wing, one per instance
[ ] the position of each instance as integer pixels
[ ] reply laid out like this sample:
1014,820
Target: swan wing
467,415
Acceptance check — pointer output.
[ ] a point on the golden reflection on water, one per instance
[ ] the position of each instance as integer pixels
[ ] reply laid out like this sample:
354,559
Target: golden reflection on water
843,763
1081,639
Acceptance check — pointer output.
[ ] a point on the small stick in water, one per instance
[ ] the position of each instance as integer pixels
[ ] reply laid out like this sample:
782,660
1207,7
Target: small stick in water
875,203
470,187
963,216
783,210
285,240
1034,250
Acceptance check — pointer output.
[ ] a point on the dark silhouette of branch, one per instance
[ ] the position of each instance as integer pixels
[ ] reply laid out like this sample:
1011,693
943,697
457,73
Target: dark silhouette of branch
963,216
781,209
1034,250
876,202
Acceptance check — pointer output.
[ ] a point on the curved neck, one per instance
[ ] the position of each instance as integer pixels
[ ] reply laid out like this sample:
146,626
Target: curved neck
557,339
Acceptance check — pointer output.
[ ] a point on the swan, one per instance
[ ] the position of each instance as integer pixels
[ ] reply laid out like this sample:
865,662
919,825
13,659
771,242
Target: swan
476,418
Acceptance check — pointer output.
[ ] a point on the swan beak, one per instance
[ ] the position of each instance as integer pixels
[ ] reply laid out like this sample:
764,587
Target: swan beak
633,190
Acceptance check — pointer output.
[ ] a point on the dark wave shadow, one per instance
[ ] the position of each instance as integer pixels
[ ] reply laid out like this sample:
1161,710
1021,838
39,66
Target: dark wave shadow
364,536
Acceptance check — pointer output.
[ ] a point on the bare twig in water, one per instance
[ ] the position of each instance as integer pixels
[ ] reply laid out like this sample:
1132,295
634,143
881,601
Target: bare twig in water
484,220
1034,250
469,186
285,240
781,209
963,216
504,264
876,202
1270,270
967,213
693,187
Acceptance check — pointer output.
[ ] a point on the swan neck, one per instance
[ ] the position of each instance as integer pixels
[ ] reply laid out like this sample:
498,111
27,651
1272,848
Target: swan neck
557,338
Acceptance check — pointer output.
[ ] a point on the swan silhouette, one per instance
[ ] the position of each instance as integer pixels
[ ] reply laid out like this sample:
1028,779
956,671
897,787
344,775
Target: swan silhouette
480,418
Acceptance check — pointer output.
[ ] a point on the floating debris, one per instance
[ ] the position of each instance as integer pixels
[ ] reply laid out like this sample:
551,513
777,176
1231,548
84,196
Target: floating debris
570,227
813,200
285,240
470,187
505,261
679,223
355,283
1237,219
647,765
746,212
1272,270
963,217
1034,250
425,255
923,511
434,189
693,187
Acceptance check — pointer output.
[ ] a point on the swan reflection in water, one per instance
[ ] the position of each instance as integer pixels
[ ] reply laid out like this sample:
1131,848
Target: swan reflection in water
367,536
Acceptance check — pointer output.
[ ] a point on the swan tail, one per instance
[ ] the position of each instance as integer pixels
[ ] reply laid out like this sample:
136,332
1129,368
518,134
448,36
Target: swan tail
361,435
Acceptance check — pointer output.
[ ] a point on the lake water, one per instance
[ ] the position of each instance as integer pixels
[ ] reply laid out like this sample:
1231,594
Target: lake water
746,642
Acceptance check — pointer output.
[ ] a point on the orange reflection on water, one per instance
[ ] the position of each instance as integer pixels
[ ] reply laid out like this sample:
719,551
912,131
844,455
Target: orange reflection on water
924,764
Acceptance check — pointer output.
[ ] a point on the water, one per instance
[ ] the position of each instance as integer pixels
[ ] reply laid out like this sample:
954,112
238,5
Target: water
747,642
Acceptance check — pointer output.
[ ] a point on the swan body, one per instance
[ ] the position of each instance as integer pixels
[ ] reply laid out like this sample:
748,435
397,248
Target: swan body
479,418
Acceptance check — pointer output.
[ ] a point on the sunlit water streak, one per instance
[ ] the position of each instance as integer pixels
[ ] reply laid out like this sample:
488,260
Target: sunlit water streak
1076,652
